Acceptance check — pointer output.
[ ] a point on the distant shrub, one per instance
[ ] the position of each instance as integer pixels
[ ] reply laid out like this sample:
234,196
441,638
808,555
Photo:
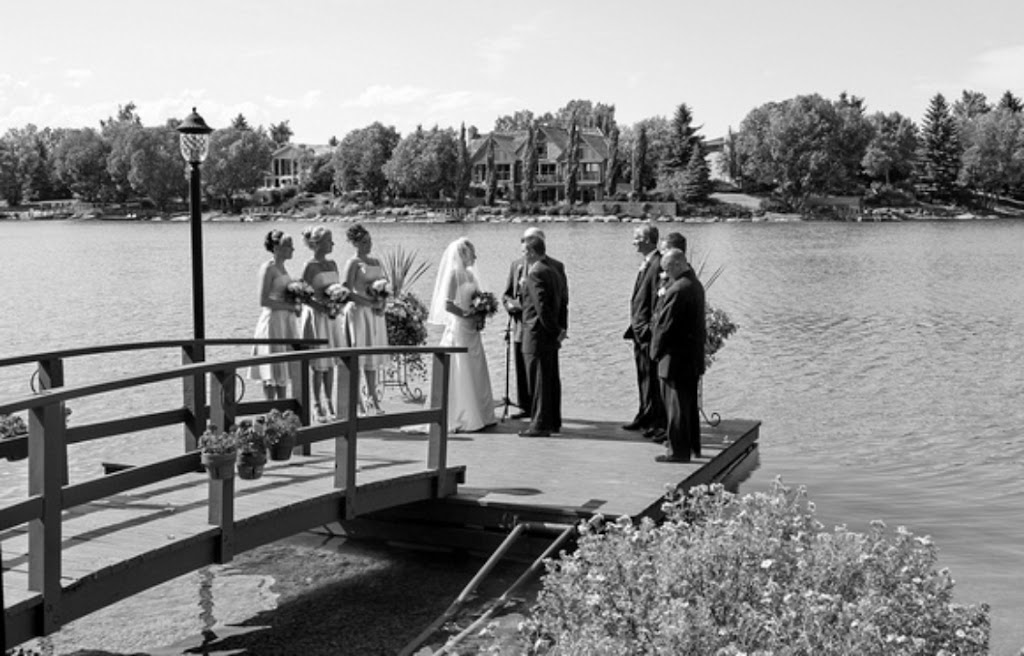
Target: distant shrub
775,204
726,575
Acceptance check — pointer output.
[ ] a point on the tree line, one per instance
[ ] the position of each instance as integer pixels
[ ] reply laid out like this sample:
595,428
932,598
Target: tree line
791,149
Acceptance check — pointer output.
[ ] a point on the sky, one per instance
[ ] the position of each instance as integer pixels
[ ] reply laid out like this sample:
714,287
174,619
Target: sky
329,67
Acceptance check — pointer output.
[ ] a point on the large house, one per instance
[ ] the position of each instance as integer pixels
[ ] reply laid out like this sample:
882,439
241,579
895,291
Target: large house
552,147
289,163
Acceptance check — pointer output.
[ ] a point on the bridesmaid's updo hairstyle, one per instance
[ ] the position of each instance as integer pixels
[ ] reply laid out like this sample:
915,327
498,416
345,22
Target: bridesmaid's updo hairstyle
273,240
356,233
314,234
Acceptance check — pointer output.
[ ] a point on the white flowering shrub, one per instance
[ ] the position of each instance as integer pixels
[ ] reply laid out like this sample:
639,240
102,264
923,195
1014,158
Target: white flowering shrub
756,575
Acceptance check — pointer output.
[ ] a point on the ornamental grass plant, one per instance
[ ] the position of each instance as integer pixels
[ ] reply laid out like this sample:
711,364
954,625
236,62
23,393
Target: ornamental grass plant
758,574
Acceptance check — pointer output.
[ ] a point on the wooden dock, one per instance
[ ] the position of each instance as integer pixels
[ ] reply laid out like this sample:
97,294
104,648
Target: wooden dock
68,550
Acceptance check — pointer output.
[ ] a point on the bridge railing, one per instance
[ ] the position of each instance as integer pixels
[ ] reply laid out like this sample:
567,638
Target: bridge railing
192,414
49,494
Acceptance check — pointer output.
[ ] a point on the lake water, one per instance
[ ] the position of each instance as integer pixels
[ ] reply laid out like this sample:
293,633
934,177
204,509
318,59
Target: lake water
886,361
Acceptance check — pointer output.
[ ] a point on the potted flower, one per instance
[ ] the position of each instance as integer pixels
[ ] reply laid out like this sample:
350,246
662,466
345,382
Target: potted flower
218,452
252,448
281,428
12,426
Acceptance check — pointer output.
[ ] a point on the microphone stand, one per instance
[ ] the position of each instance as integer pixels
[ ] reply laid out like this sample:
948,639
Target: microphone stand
508,348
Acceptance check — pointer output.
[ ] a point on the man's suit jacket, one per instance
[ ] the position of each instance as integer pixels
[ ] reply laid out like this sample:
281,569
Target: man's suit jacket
680,330
543,306
642,303
563,311
513,293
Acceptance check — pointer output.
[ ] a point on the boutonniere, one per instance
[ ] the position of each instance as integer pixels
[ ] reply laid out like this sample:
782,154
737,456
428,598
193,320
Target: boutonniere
661,292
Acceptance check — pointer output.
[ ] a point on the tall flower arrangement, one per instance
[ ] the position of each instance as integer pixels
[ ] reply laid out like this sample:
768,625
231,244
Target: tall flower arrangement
718,324
405,314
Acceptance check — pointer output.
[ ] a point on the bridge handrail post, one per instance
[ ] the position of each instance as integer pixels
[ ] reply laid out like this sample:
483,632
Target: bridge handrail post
223,405
46,470
437,449
345,444
50,374
223,408
300,390
194,395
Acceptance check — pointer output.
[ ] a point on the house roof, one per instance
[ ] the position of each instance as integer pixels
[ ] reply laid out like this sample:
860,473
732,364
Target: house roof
514,142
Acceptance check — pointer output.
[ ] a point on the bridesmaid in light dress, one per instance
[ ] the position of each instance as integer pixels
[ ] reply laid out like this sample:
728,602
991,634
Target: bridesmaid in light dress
321,272
279,318
364,315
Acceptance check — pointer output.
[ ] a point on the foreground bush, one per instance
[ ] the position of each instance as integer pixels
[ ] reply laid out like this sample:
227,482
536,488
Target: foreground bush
752,575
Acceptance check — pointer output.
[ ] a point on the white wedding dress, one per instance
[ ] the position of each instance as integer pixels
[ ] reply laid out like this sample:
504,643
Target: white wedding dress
470,398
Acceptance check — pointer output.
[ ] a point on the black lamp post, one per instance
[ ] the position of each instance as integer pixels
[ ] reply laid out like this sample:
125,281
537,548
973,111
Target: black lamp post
195,144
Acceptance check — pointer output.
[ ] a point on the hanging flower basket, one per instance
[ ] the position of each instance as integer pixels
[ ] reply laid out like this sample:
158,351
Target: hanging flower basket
250,464
220,466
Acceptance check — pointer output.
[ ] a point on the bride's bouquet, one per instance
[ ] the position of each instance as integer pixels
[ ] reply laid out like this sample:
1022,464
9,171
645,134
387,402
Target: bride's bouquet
335,295
483,305
298,292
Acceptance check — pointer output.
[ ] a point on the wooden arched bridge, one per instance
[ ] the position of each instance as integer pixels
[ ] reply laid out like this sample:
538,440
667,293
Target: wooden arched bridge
70,548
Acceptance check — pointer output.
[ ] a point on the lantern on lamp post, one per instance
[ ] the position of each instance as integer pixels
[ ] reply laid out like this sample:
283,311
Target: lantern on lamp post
195,145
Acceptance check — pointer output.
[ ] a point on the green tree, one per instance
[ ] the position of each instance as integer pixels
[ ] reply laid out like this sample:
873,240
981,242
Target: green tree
463,172
1010,102
993,158
530,166
80,162
237,162
520,120
614,165
319,177
658,133
572,166
696,179
586,114
940,147
640,167
281,133
10,185
681,141
156,169
119,132
492,175
240,122
891,153
425,163
970,104
27,165
360,158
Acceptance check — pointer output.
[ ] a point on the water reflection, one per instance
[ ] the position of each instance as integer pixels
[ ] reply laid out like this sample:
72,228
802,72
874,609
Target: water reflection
742,470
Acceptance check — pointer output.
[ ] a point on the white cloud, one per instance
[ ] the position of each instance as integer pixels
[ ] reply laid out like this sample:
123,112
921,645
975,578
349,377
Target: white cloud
78,77
378,96
307,100
999,69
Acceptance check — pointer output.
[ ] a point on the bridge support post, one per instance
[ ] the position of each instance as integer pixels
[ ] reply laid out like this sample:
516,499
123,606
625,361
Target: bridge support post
345,444
194,394
46,471
300,389
222,514
50,374
222,398
437,450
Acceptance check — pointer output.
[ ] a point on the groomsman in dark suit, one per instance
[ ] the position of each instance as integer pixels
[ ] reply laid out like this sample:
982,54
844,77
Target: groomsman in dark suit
650,416
677,345
512,300
543,301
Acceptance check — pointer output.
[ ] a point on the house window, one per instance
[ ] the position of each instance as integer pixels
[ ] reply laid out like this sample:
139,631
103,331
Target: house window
504,172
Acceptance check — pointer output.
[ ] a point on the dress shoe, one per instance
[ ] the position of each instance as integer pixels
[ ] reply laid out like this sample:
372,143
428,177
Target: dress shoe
534,433
632,426
519,415
668,458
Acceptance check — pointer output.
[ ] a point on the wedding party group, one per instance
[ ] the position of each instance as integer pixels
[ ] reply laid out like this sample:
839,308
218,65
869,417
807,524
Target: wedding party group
346,308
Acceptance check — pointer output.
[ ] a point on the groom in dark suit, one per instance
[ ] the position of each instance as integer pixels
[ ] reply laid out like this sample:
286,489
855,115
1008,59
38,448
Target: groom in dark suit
678,347
650,416
543,300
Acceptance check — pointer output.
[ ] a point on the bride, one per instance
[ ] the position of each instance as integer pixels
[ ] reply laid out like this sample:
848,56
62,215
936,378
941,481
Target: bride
470,399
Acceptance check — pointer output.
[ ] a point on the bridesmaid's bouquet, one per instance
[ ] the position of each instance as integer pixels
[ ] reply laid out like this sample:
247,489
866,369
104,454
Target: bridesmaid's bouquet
298,292
380,288
335,295
483,305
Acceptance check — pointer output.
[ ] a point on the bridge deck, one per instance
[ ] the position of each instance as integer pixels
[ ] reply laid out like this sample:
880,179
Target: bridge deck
593,467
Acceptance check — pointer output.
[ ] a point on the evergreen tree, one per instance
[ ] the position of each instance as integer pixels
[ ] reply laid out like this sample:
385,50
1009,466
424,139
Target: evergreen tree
572,167
681,145
462,172
639,166
1011,102
696,179
492,174
281,133
612,174
240,122
530,175
940,147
